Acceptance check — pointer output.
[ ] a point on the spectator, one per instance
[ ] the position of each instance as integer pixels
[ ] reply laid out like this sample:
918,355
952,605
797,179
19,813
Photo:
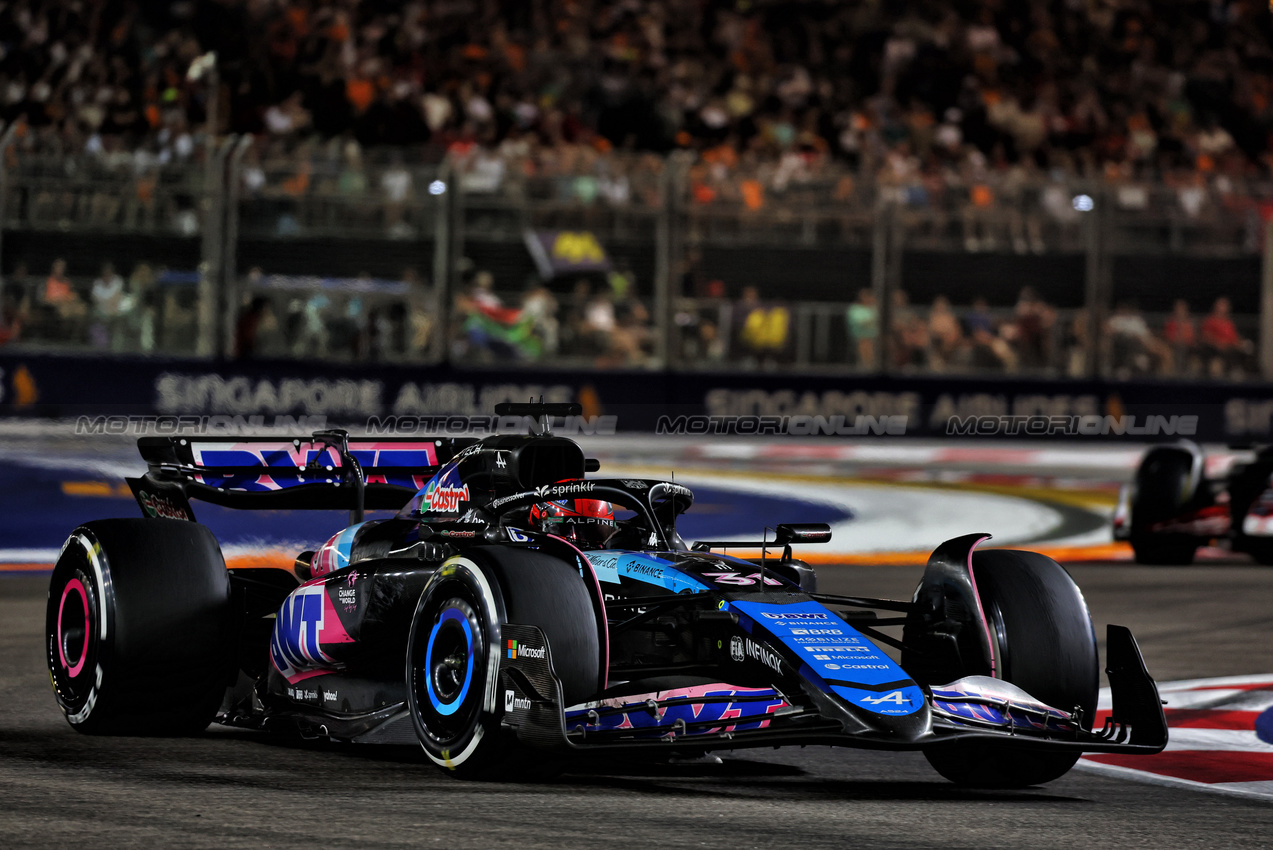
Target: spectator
62,311
864,327
946,334
58,291
1134,350
11,318
421,310
1033,321
139,309
763,328
598,322
629,341
540,307
312,339
990,350
910,334
710,347
1225,350
256,324
108,296
1181,333
395,185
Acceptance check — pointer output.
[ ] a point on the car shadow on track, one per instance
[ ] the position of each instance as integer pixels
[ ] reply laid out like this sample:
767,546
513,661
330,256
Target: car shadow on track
734,777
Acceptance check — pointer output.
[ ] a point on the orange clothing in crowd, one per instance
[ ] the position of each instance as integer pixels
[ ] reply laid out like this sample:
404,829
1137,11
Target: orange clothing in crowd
57,290
361,92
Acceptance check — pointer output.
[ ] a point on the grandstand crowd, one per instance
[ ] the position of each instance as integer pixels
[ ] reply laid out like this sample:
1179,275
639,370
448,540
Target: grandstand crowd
974,106
1177,89
603,323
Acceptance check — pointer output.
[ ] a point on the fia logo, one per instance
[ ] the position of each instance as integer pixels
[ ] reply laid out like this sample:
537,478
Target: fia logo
736,648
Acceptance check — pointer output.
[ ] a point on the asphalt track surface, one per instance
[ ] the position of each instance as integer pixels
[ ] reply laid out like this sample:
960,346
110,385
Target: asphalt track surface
231,788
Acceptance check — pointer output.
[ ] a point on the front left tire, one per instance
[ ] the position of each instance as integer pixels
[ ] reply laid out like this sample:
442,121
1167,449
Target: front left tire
137,627
453,652
1044,643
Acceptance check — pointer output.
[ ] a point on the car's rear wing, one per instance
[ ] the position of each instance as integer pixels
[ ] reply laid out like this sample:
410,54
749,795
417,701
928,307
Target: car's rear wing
327,470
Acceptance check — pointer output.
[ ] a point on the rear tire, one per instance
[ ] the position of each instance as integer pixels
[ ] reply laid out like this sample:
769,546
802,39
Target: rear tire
1043,643
1164,552
137,628
453,652
1162,495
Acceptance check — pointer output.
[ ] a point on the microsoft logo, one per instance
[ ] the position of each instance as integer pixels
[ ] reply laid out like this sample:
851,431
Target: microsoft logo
515,651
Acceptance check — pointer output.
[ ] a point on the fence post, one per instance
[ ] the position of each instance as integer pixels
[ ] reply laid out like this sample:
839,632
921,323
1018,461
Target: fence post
210,278
668,243
1095,291
884,240
6,142
1266,303
442,262
230,245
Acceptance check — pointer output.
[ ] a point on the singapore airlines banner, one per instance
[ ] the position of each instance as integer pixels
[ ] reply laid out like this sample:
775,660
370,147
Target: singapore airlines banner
404,399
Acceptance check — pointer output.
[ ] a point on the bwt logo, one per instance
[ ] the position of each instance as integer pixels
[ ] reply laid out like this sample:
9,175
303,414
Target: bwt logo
295,642
1090,425
802,616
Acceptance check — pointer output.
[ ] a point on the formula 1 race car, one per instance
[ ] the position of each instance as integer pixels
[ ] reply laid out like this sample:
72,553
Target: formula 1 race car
516,606
1171,507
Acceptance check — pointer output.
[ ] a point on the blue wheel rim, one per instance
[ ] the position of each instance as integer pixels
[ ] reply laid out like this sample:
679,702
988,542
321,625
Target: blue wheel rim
435,699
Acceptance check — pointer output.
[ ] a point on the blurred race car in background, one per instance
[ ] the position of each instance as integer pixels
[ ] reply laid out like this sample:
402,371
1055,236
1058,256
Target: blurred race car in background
515,605
1172,506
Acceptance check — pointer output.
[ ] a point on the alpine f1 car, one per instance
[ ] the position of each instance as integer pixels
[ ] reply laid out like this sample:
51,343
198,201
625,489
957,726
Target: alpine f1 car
1171,507
516,605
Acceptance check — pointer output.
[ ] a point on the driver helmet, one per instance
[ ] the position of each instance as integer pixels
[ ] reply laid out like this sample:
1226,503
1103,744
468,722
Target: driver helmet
587,523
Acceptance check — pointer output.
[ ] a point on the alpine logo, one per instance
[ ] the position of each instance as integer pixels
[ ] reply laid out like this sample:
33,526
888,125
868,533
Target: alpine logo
896,698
